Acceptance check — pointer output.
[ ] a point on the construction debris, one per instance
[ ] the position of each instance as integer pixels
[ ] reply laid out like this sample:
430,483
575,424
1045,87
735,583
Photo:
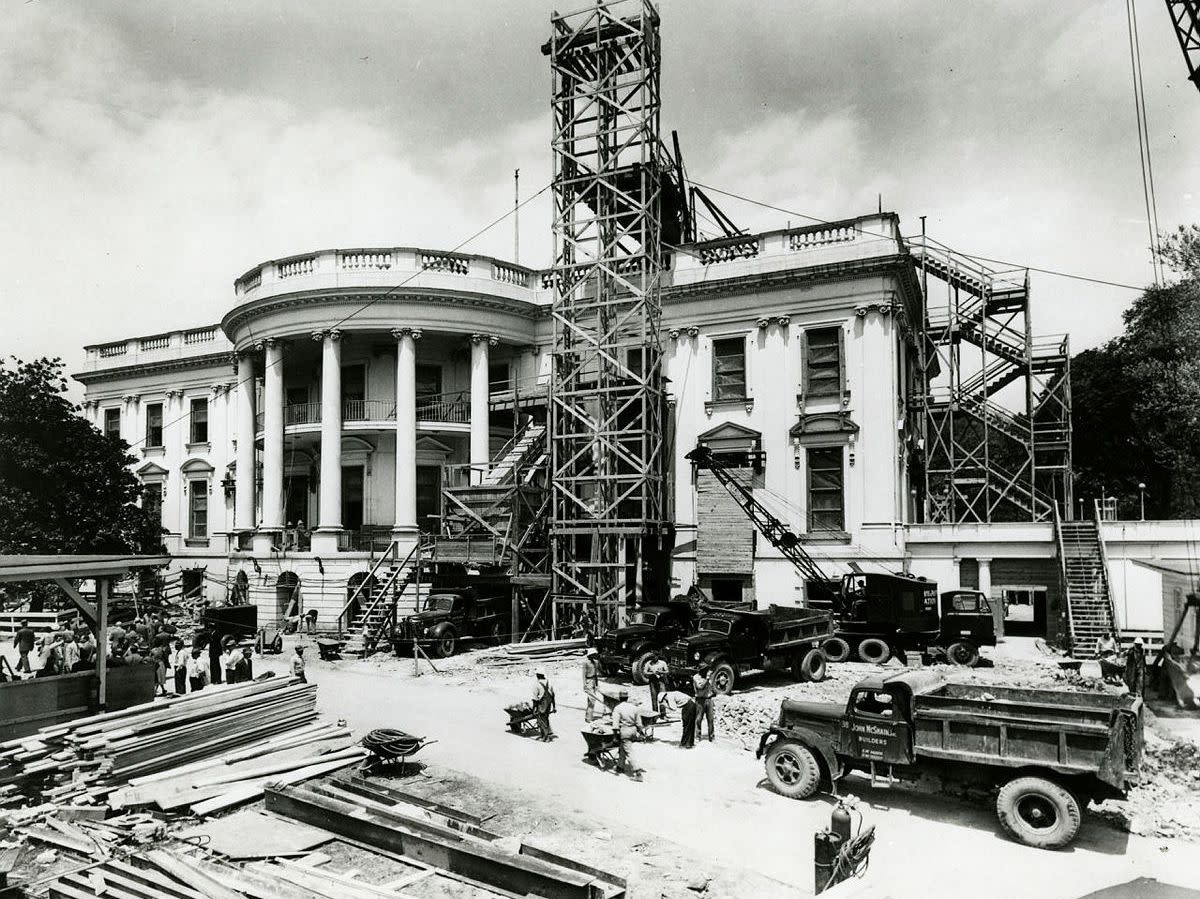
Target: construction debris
517,654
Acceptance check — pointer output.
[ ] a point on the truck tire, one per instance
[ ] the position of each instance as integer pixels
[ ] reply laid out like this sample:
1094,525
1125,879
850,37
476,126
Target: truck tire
446,643
874,651
723,678
792,769
836,649
638,669
809,666
1038,812
963,652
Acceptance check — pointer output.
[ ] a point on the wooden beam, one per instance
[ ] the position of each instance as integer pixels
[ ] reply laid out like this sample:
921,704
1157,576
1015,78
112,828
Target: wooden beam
102,642
86,608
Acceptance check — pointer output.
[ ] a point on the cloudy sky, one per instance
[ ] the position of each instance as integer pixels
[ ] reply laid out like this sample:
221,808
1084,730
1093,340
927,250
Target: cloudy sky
150,152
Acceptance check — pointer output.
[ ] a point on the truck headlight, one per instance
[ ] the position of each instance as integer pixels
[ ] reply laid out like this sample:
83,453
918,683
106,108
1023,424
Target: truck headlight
695,657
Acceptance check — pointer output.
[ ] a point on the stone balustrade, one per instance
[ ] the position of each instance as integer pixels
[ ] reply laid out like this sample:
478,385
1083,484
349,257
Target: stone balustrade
151,348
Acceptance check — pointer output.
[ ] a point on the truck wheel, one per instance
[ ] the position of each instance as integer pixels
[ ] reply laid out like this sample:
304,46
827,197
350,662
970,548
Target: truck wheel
446,644
723,677
963,653
638,669
1038,812
809,666
836,649
792,769
874,651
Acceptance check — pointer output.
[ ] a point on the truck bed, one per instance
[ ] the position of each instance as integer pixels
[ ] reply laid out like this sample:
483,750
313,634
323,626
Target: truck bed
789,625
1093,733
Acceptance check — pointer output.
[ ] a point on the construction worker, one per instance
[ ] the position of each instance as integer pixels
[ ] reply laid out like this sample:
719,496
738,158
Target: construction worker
24,640
229,660
591,684
627,725
702,690
70,652
657,672
197,671
678,702
179,664
298,664
310,621
87,649
543,704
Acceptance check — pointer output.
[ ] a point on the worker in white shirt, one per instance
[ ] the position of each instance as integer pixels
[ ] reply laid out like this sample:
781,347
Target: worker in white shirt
677,702
627,725
229,660
298,665
197,671
179,664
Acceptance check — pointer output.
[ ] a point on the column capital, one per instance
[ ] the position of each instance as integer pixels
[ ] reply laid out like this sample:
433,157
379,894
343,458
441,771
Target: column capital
318,335
132,398
491,339
321,334
693,331
673,333
763,323
216,389
269,343
171,394
783,321
400,333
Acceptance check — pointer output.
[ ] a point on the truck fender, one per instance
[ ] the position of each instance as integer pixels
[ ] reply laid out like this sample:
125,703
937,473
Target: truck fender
814,741
437,630
713,659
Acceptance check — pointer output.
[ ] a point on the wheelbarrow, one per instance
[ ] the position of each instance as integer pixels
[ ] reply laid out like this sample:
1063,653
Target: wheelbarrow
390,749
522,718
1112,669
602,749
270,640
329,650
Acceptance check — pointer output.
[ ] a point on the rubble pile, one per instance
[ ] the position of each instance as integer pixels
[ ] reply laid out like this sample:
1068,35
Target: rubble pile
1167,801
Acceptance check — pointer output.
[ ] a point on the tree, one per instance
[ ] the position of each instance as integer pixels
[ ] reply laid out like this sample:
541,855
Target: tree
1180,251
64,486
1136,406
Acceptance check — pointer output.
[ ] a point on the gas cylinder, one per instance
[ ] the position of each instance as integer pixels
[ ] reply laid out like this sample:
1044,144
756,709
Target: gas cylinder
840,822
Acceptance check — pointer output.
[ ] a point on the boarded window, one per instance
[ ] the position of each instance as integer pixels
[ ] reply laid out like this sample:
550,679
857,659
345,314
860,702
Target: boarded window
724,536
823,365
826,498
729,369
199,418
112,423
198,510
154,424
152,501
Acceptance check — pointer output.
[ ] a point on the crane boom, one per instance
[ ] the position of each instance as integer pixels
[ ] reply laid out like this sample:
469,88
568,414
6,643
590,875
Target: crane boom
1185,16
778,534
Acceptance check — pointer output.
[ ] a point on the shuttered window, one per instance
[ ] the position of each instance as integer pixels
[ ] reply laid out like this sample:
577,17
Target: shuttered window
729,369
154,424
823,365
198,509
112,423
199,418
826,495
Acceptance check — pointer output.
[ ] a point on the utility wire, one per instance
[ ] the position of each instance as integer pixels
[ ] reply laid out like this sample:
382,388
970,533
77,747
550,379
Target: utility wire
1137,44
371,302
1139,108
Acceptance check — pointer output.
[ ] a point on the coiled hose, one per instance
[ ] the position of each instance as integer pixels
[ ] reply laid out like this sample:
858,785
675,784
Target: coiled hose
388,743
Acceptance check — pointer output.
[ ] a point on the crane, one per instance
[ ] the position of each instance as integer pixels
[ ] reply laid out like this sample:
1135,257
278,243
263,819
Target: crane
1185,16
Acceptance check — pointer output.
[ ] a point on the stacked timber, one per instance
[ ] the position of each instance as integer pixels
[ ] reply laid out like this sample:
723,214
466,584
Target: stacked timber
92,759
517,654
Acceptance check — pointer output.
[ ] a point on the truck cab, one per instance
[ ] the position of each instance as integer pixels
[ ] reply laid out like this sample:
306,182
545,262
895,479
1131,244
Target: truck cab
967,624
628,649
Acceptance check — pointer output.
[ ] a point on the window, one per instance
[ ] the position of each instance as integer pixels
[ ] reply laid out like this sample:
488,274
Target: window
874,704
112,423
823,362
729,369
198,510
826,503
152,500
354,383
154,424
498,376
429,381
199,417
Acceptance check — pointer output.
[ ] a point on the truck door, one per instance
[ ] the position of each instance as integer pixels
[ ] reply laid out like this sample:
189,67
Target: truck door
876,728
742,642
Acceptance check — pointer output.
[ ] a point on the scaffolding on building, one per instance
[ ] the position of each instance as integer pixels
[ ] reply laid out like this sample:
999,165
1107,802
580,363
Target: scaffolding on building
606,406
997,399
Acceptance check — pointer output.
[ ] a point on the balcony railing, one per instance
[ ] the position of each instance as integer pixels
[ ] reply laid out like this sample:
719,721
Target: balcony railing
454,408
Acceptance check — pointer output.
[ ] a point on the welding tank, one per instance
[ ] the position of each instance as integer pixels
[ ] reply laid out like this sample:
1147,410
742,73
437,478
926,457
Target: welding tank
825,851
840,823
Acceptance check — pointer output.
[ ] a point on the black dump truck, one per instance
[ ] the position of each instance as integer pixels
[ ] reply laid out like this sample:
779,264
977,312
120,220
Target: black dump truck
737,642
451,615
878,615
1048,752
628,649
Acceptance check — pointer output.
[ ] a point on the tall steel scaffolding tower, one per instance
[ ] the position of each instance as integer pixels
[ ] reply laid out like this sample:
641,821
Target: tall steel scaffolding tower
997,399
606,408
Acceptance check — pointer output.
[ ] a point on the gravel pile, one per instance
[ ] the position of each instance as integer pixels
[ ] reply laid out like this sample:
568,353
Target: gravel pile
1167,801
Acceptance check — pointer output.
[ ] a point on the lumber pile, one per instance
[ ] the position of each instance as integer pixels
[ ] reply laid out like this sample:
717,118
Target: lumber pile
517,654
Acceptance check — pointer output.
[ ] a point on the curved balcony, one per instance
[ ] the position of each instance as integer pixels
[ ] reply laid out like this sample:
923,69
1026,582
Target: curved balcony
446,408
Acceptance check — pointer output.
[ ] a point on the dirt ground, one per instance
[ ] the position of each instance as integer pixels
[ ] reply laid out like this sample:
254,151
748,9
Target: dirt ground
704,822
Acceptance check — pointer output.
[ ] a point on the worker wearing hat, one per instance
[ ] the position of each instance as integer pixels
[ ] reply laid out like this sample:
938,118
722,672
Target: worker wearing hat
702,690
543,705
591,683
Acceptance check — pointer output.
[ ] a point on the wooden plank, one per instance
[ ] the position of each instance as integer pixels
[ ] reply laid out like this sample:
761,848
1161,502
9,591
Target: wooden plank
342,750
195,878
255,834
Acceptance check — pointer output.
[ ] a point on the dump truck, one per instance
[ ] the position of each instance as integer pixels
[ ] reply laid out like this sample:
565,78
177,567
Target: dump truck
650,628
736,642
1047,752
451,615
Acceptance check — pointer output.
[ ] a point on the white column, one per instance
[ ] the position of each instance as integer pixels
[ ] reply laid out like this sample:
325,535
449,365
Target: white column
406,433
481,453
985,587
875,447
956,580
243,505
329,515
129,420
272,504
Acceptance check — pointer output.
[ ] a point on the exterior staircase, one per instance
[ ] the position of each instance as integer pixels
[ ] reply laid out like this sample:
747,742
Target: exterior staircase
367,620
1085,574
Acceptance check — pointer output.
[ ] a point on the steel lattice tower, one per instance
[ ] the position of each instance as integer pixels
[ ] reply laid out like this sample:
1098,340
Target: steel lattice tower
606,406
